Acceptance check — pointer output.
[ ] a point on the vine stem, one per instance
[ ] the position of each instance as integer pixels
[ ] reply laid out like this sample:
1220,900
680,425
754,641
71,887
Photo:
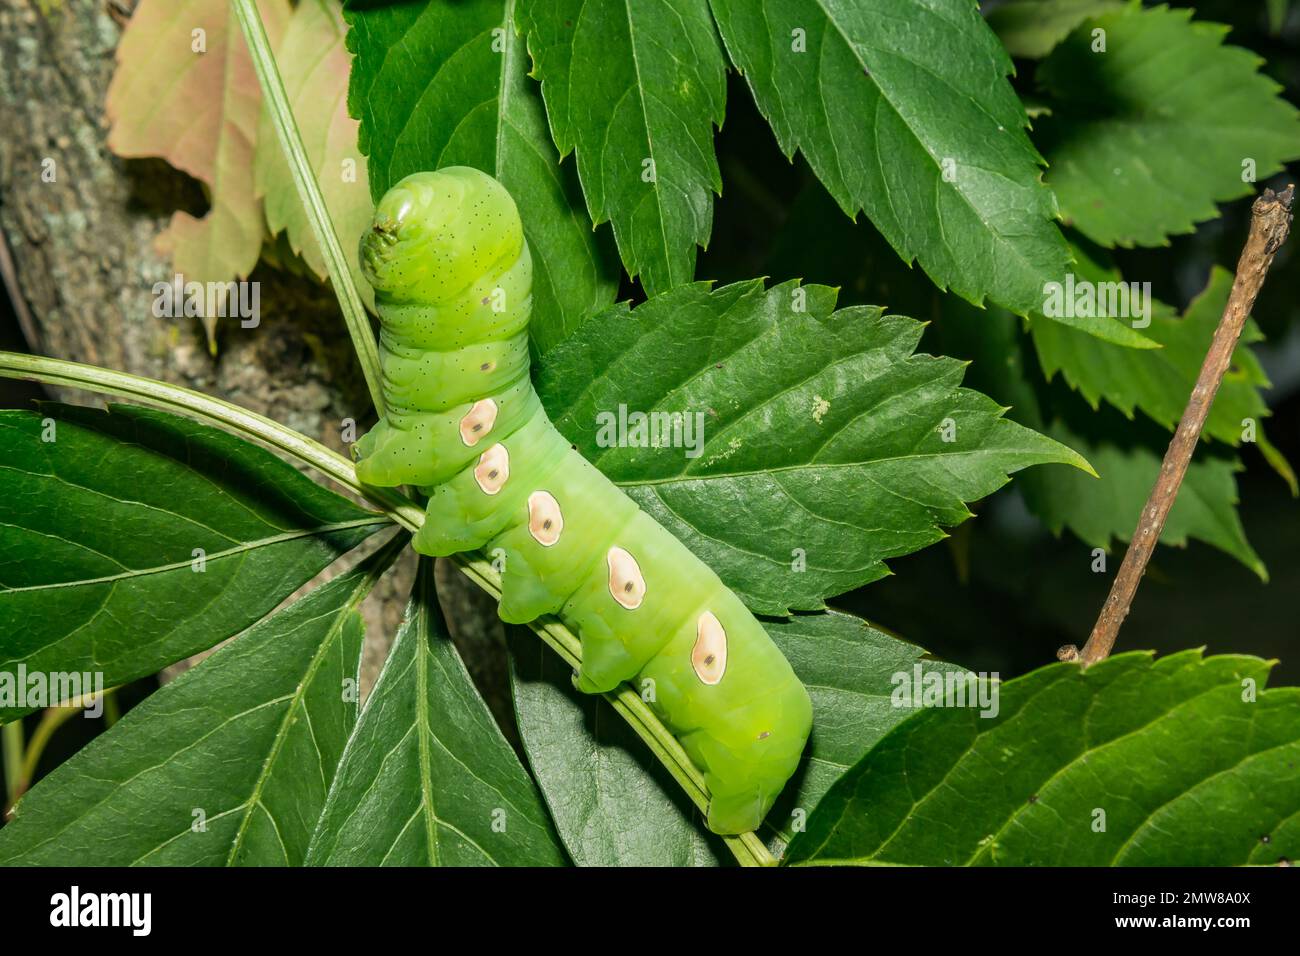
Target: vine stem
52,718
231,417
295,154
13,745
1269,226
748,848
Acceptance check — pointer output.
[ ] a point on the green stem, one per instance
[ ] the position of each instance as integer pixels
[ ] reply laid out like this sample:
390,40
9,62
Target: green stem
231,417
11,742
112,712
52,718
748,848
286,128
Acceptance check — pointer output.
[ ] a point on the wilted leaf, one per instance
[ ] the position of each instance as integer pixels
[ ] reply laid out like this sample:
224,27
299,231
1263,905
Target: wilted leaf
1182,761
823,445
130,539
185,91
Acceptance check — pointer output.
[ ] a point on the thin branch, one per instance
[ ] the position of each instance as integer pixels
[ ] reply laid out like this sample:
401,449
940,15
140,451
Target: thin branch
354,313
1269,226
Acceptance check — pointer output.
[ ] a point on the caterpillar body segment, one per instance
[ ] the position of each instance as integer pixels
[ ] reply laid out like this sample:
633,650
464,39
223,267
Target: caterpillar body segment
385,450
452,276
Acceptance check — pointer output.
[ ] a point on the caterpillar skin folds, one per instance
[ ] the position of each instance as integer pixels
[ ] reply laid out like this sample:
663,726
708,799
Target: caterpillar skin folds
453,277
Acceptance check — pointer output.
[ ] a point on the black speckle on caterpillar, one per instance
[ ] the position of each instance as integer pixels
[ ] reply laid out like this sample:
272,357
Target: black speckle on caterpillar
465,425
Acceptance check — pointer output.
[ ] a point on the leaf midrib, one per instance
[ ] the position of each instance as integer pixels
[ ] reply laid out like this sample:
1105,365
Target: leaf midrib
649,140
296,700
807,466
423,732
1001,240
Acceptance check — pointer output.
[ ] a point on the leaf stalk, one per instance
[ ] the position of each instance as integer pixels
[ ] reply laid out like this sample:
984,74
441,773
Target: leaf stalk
286,128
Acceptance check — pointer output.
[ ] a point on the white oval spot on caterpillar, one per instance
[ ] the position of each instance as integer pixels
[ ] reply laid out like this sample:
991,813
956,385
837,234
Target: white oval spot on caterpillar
545,522
493,469
478,421
626,585
709,655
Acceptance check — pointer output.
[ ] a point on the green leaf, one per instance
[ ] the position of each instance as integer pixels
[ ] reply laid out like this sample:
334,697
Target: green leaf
1125,453
635,90
819,245
106,518
1032,28
1097,511
443,84
1137,153
427,779
1182,761
229,764
903,109
852,671
823,434
1159,382
1277,11
1106,328
611,801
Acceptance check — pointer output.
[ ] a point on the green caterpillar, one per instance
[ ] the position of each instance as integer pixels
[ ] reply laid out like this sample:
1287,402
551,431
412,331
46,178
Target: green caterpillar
453,285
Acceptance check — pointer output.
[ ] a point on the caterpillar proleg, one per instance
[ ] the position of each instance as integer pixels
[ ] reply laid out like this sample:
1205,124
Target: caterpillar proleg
452,275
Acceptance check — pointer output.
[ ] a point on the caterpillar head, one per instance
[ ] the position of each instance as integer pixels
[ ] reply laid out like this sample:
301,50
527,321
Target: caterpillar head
436,233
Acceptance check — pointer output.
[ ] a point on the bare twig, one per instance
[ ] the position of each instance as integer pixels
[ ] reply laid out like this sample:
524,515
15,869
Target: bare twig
1269,226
